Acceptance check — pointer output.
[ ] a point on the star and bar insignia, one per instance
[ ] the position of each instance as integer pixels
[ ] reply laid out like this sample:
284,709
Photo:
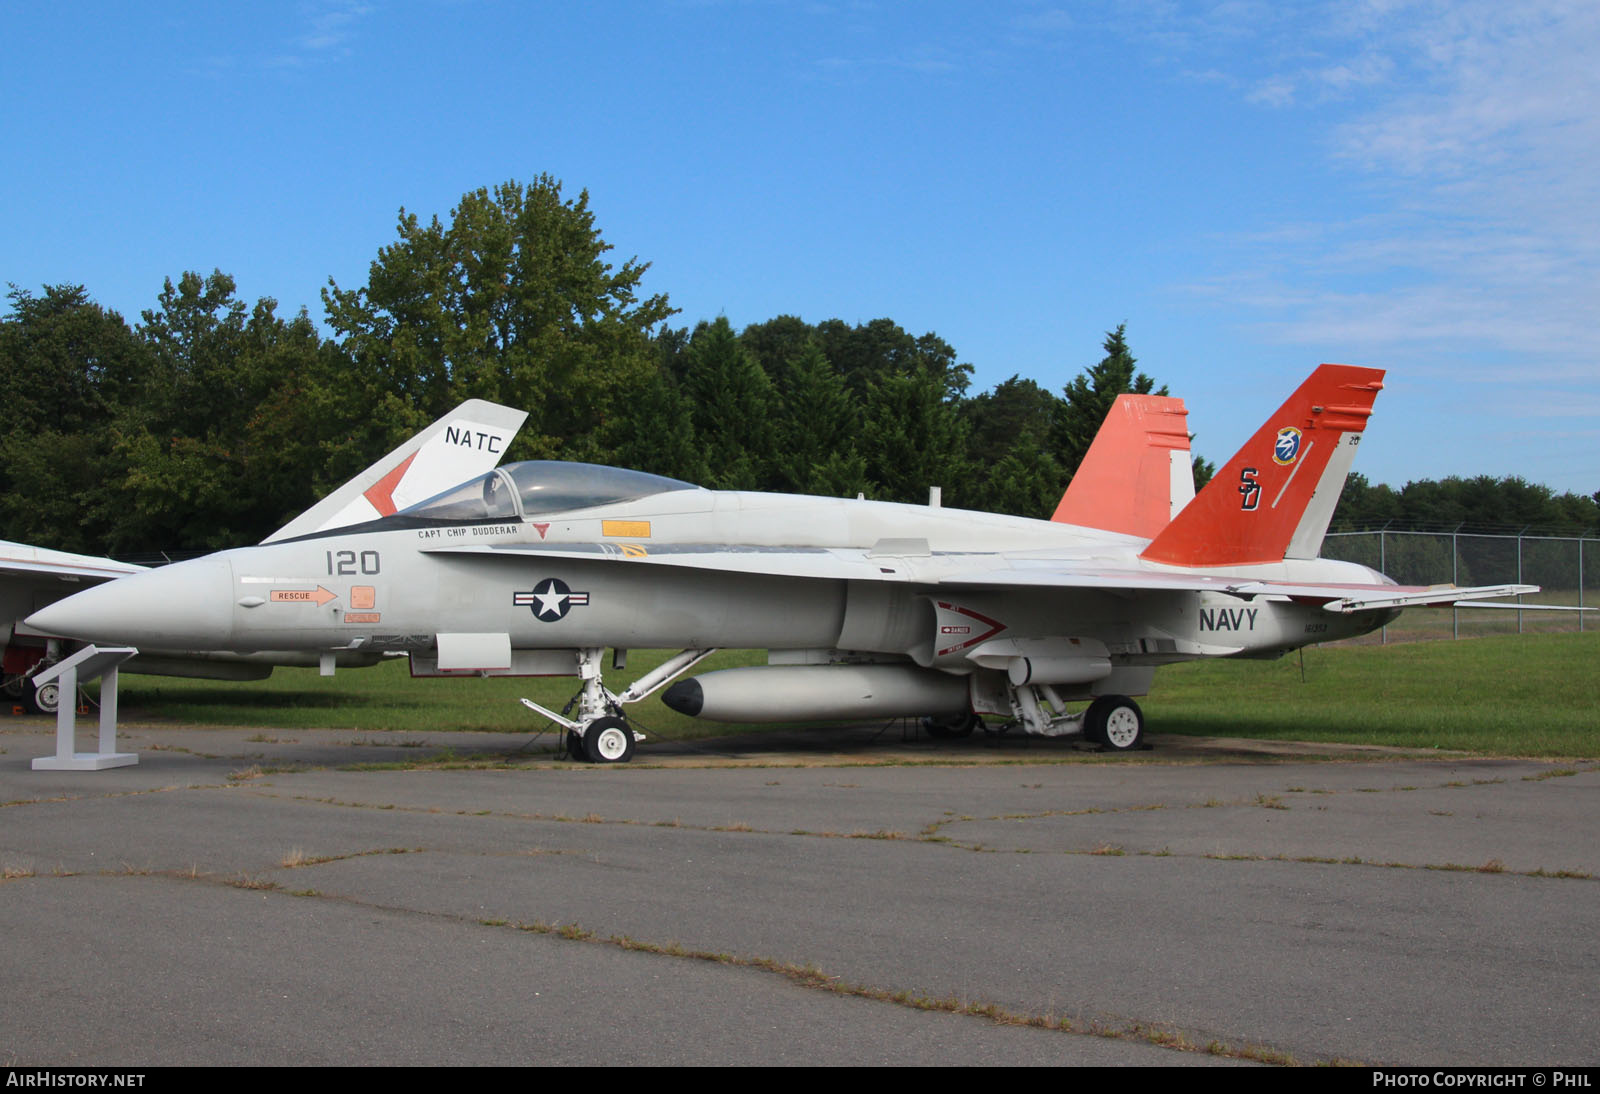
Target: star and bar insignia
550,600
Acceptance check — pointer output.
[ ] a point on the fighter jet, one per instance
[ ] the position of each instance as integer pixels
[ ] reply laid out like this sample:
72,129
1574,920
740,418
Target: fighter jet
468,441
867,608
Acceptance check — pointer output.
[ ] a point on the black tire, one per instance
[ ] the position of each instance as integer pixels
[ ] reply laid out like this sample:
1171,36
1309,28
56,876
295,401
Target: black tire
608,741
575,747
960,726
1115,723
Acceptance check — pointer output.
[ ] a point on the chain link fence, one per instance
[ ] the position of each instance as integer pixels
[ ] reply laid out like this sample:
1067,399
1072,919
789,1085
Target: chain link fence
1564,567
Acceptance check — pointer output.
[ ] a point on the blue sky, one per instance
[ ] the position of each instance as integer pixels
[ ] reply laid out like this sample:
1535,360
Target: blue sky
1251,187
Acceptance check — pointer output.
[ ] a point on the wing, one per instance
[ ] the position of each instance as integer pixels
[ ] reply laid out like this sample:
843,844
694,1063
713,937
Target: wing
901,561
21,560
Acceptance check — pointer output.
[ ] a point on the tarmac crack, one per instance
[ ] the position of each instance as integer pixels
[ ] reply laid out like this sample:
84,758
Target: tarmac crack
109,795
805,976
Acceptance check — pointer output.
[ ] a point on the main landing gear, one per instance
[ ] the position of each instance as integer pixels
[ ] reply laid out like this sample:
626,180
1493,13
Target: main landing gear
941,729
600,733
1114,722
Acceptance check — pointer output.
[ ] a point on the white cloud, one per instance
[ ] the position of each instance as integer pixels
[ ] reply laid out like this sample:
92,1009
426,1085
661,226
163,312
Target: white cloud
331,25
1474,130
1276,91
1045,21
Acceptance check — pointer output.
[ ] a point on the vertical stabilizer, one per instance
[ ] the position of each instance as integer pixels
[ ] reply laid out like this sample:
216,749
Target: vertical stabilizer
465,443
1136,475
1274,499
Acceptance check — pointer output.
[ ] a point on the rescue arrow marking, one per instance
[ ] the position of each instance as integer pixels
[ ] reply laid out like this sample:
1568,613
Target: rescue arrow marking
318,596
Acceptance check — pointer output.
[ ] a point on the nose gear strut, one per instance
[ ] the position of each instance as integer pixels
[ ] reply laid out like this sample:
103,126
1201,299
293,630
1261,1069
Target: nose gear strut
600,733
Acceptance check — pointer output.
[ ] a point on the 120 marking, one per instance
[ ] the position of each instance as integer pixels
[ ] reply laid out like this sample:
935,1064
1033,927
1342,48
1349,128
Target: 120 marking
345,563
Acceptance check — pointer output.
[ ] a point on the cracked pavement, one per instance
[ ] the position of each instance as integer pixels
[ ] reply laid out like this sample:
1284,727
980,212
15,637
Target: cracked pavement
246,897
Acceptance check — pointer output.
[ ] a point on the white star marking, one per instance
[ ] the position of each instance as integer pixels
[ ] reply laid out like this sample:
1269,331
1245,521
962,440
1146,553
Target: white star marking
550,601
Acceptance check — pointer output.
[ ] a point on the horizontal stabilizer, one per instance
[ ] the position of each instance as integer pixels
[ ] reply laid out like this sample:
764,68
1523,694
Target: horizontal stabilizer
1527,607
1400,596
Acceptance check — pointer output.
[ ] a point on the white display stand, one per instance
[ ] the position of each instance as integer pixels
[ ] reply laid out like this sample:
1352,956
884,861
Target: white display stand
81,667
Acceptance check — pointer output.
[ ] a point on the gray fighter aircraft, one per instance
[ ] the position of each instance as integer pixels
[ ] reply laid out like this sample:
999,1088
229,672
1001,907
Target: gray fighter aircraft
867,608
469,440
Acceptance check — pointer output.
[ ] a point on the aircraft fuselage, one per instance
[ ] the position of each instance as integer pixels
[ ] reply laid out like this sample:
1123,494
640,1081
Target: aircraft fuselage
609,576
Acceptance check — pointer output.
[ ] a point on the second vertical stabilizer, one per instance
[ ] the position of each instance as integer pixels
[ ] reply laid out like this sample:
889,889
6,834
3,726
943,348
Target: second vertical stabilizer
1274,499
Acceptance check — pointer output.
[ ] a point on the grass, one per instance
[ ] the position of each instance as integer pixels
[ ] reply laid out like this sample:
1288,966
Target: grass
1423,624
1523,695
387,698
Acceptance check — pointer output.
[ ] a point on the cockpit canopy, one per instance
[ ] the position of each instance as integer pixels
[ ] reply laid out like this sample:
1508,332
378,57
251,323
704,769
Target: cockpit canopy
533,487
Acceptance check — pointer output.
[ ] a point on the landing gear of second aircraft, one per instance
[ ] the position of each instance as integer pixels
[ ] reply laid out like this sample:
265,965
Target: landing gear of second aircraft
45,699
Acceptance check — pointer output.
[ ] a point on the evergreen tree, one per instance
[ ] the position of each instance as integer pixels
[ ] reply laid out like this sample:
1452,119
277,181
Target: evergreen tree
817,427
731,404
914,439
657,433
1025,482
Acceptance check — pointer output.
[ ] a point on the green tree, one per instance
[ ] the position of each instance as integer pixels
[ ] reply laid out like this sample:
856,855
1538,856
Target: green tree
868,353
511,301
914,439
1363,505
1001,418
1025,482
72,371
778,346
818,453
1010,445
233,435
70,364
657,431
731,403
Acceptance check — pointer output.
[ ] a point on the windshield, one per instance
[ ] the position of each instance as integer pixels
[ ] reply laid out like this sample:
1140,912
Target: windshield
541,486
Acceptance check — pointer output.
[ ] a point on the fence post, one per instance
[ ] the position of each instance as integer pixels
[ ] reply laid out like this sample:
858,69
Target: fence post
1519,575
1383,634
1455,579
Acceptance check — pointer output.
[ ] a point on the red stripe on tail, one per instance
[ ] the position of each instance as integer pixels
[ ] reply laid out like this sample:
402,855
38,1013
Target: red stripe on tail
381,493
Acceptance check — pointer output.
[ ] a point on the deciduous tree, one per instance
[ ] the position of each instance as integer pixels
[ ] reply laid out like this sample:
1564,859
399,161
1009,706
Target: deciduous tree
512,300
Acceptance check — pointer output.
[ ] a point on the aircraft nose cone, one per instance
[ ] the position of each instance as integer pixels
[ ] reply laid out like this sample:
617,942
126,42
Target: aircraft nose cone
188,605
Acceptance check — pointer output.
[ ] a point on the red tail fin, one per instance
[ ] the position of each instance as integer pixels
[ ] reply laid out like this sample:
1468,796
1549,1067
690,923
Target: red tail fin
1275,497
1135,470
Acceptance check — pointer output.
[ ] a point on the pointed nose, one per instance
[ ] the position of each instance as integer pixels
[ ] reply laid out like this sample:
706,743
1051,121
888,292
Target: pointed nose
188,605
